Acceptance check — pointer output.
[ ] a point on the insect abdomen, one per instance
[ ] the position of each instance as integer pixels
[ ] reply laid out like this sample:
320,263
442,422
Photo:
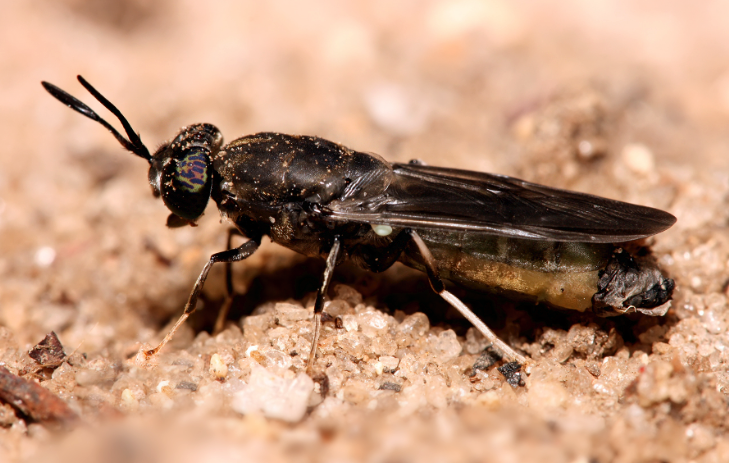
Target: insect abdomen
561,274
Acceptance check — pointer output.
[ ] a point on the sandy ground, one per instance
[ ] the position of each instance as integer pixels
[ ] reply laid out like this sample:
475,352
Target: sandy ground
628,100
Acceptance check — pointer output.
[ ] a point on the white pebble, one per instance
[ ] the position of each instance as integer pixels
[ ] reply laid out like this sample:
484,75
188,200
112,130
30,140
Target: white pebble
372,323
128,400
415,325
288,314
638,158
389,362
447,346
274,396
44,256
218,368
350,323
164,387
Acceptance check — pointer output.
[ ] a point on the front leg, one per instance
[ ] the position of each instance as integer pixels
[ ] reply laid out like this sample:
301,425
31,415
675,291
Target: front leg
231,255
225,309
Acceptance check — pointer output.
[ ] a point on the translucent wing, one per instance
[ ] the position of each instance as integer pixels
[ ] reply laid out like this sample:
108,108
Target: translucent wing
452,199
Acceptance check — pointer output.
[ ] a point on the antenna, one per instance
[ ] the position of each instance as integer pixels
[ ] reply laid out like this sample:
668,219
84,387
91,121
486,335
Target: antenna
133,144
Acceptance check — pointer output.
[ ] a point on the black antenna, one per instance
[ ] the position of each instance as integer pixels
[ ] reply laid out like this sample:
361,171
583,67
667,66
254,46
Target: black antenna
134,144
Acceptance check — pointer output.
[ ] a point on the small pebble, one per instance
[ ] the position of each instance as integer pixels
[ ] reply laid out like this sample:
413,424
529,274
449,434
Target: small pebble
128,400
349,323
389,363
638,158
388,386
447,346
416,325
512,373
44,256
218,368
276,397
484,361
288,314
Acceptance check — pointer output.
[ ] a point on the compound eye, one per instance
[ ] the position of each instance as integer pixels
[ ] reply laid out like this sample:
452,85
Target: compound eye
192,170
187,182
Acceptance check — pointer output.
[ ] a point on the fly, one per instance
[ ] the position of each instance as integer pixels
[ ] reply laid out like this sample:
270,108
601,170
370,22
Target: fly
482,230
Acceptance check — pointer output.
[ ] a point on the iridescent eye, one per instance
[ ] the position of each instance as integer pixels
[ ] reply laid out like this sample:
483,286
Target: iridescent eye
192,171
187,181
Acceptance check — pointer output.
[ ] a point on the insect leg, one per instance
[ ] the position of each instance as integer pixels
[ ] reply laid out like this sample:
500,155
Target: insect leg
225,309
230,255
319,304
437,284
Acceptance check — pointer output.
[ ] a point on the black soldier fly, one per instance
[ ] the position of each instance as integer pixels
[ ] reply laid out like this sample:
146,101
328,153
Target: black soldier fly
482,230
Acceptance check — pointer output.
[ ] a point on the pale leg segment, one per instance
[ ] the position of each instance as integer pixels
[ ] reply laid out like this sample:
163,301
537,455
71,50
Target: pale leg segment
495,341
437,284
319,304
231,255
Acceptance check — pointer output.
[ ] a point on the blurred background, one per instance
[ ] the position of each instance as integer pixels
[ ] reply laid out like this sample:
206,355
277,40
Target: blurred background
628,100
